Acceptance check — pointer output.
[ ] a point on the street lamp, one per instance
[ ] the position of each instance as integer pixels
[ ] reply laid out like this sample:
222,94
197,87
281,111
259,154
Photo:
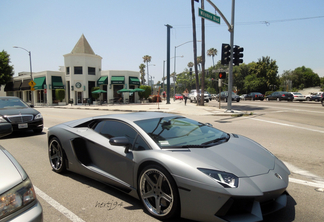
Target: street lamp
175,56
31,73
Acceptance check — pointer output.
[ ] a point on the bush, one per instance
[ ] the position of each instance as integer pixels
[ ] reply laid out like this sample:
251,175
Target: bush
146,93
59,94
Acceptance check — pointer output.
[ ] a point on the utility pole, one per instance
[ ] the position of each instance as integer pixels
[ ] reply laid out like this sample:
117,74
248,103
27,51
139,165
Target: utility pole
168,63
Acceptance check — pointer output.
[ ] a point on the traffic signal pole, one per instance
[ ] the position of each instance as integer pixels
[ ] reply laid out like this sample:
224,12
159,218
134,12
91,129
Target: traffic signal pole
231,30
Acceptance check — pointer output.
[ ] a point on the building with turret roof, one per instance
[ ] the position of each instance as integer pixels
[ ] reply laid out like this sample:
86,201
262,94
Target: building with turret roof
78,77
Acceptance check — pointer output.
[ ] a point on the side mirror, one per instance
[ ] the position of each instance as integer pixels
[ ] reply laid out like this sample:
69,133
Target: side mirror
121,141
5,129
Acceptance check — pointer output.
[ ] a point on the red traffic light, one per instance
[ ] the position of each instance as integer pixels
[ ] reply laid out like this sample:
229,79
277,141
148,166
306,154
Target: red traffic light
222,75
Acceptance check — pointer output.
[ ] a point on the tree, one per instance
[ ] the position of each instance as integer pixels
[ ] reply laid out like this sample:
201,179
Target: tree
142,71
6,70
264,73
212,52
146,60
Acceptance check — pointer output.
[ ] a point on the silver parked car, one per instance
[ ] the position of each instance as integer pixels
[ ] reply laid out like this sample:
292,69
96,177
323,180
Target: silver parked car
176,166
298,96
18,200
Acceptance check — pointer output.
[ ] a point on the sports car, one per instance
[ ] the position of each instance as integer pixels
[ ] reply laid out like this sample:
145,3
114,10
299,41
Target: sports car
175,165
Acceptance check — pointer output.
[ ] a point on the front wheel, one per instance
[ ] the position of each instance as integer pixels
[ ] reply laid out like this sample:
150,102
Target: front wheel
158,192
322,102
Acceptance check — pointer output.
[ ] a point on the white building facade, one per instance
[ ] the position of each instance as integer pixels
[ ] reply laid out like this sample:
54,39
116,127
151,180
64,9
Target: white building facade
80,74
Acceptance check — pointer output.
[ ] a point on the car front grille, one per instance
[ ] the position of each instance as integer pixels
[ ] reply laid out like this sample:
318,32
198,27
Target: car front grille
20,118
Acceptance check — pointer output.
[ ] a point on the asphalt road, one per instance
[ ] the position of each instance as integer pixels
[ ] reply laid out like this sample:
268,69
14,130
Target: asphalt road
294,132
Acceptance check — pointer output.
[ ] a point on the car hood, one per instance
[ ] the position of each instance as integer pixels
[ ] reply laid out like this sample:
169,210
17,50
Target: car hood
12,173
15,111
240,156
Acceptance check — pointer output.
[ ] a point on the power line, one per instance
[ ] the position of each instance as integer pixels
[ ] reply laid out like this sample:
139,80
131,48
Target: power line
266,22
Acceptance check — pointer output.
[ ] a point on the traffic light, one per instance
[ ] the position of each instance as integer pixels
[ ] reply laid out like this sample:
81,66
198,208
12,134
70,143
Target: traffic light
222,75
237,55
226,54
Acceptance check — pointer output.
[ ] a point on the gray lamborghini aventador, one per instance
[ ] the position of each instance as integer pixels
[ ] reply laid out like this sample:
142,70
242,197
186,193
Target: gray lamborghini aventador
176,166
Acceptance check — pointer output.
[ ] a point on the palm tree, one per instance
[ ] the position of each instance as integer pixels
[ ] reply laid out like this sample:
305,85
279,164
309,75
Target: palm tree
147,59
190,64
142,71
199,61
212,52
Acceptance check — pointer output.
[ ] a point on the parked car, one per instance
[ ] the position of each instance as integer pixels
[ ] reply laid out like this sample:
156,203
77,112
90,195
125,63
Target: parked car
322,99
20,115
18,200
194,97
317,97
178,96
224,96
242,96
298,96
280,95
169,161
254,96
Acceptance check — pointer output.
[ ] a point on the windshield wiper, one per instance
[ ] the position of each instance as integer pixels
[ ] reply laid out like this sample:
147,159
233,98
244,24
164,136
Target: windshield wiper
187,146
225,139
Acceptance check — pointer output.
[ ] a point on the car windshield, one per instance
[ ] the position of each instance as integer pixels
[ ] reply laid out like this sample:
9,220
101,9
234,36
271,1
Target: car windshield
9,103
181,132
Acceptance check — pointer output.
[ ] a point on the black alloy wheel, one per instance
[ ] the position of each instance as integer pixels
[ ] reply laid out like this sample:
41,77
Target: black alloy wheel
159,192
56,155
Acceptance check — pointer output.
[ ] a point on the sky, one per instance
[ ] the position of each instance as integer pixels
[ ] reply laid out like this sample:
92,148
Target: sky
122,32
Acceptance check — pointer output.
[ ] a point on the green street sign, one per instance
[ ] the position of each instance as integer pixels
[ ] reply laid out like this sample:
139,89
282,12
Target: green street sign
210,16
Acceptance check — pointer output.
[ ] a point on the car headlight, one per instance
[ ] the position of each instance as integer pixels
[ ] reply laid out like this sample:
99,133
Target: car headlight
16,198
227,180
3,120
38,116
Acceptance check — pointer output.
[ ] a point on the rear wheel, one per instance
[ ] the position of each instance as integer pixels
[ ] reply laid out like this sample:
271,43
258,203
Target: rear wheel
56,155
322,102
158,192
278,99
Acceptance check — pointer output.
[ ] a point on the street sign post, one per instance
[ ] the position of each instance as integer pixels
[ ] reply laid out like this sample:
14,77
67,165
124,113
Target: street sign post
210,16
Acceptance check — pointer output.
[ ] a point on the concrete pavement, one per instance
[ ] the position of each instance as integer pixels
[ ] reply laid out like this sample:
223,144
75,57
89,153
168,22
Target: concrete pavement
176,107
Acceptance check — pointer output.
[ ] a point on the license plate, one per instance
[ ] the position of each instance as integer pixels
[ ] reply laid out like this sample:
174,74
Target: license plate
22,125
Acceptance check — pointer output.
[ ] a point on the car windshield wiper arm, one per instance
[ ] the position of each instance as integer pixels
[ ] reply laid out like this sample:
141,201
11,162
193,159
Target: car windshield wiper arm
187,146
225,139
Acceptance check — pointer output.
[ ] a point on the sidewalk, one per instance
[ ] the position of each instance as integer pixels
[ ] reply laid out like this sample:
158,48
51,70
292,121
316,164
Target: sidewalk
176,107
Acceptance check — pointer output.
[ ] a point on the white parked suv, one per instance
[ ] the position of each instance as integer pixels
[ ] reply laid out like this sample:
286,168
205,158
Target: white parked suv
193,96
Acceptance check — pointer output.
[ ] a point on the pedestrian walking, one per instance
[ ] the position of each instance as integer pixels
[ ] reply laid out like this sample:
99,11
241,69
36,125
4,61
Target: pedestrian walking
185,96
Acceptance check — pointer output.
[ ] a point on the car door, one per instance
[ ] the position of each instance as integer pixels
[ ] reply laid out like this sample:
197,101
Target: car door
112,159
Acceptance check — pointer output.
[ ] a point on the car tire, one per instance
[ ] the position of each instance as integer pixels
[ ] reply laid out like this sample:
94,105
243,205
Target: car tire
307,99
267,99
156,185
278,99
322,102
56,156
38,130
225,99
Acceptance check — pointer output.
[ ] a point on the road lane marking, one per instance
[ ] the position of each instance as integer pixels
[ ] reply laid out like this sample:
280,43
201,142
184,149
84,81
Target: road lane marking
316,184
288,125
58,206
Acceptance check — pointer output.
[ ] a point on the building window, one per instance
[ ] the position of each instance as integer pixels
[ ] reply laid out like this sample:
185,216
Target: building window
91,71
78,70
67,70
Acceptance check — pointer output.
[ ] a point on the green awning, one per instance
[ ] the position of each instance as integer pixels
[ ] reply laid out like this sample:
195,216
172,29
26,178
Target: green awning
134,81
40,82
16,86
117,80
103,80
25,84
57,82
